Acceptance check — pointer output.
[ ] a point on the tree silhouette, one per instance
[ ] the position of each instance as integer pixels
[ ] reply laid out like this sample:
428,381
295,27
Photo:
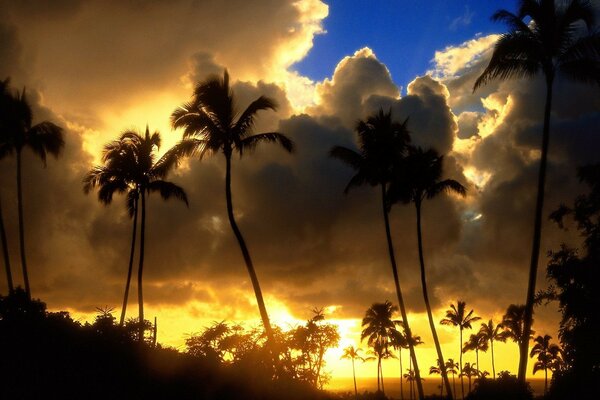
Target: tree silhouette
382,144
378,329
437,370
209,125
457,316
5,99
470,371
419,178
451,367
492,333
514,324
477,342
400,341
552,42
42,139
548,356
130,166
352,354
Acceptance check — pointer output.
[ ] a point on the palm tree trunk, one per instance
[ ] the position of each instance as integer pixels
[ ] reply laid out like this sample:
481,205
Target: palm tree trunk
537,233
401,383
454,383
382,387
141,268
477,361
407,330
378,374
442,387
130,270
249,266
460,354
493,364
427,305
21,226
354,376
9,279
545,381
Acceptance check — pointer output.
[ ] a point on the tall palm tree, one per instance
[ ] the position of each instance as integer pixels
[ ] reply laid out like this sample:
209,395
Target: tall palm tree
144,175
382,144
378,329
437,370
399,341
457,316
469,371
547,355
452,368
419,177
42,138
514,325
552,42
5,99
492,333
477,343
353,353
210,125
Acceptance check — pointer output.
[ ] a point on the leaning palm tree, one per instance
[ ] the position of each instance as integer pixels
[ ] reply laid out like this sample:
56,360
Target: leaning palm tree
492,333
419,178
140,174
42,138
5,103
378,329
559,39
382,144
547,355
477,342
353,353
457,316
209,126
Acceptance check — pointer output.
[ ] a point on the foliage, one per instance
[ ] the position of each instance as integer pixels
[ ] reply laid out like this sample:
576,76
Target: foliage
507,386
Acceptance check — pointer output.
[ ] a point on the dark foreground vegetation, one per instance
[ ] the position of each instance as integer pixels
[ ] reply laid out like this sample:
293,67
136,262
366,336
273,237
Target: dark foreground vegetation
47,355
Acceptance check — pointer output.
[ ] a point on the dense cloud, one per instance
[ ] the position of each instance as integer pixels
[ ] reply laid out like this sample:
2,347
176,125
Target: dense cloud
311,244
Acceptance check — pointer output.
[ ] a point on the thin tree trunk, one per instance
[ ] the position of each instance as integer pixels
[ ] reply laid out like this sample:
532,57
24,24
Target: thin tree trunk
9,279
21,226
130,270
407,330
249,266
427,305
454,383
141,267
493,364
442,387
382,387
537,233
460,354
354,376
378,374
477,361
401,383
545,381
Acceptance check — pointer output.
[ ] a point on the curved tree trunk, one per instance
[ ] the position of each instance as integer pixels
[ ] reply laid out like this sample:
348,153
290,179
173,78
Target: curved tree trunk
354,376
249,266
141,269
407,330
130,270
22,227
428,306
493,364
460,354
9,279
537,233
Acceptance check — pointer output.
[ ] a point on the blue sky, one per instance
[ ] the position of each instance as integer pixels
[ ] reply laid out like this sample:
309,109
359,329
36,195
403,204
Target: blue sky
404,34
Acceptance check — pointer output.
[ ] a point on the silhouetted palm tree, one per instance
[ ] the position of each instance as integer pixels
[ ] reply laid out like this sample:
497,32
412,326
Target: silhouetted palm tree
42,138
451,367
457,316
5,99
514,324
492,333
419,178
476,342
382,143
399,341
411,378
437,370
547,355
210,125
352,353
145,175
552,42
469,371
378,329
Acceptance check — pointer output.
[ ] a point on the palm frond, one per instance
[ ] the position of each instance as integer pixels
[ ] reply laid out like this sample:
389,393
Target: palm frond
44,138
583,71
245,122
448,186
249,143
513,21
131,202
348,156
168,190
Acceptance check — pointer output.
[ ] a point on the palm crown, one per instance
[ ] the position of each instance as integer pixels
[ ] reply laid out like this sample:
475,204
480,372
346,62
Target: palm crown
457,316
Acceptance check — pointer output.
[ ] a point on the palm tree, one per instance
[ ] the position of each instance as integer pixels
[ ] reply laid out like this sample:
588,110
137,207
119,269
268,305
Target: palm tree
210,125
547,356
451,367
382,143
411,378
353,353
140,174
5,99
437,370
419,178
492,333
469,371
42,138
400,341
378,329
552,42
514,325
457,316
476,343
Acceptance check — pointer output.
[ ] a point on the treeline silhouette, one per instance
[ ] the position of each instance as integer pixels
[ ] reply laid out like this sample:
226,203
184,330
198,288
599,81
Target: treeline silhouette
544,36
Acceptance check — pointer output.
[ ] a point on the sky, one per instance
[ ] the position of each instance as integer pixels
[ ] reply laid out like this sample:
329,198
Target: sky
99,67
